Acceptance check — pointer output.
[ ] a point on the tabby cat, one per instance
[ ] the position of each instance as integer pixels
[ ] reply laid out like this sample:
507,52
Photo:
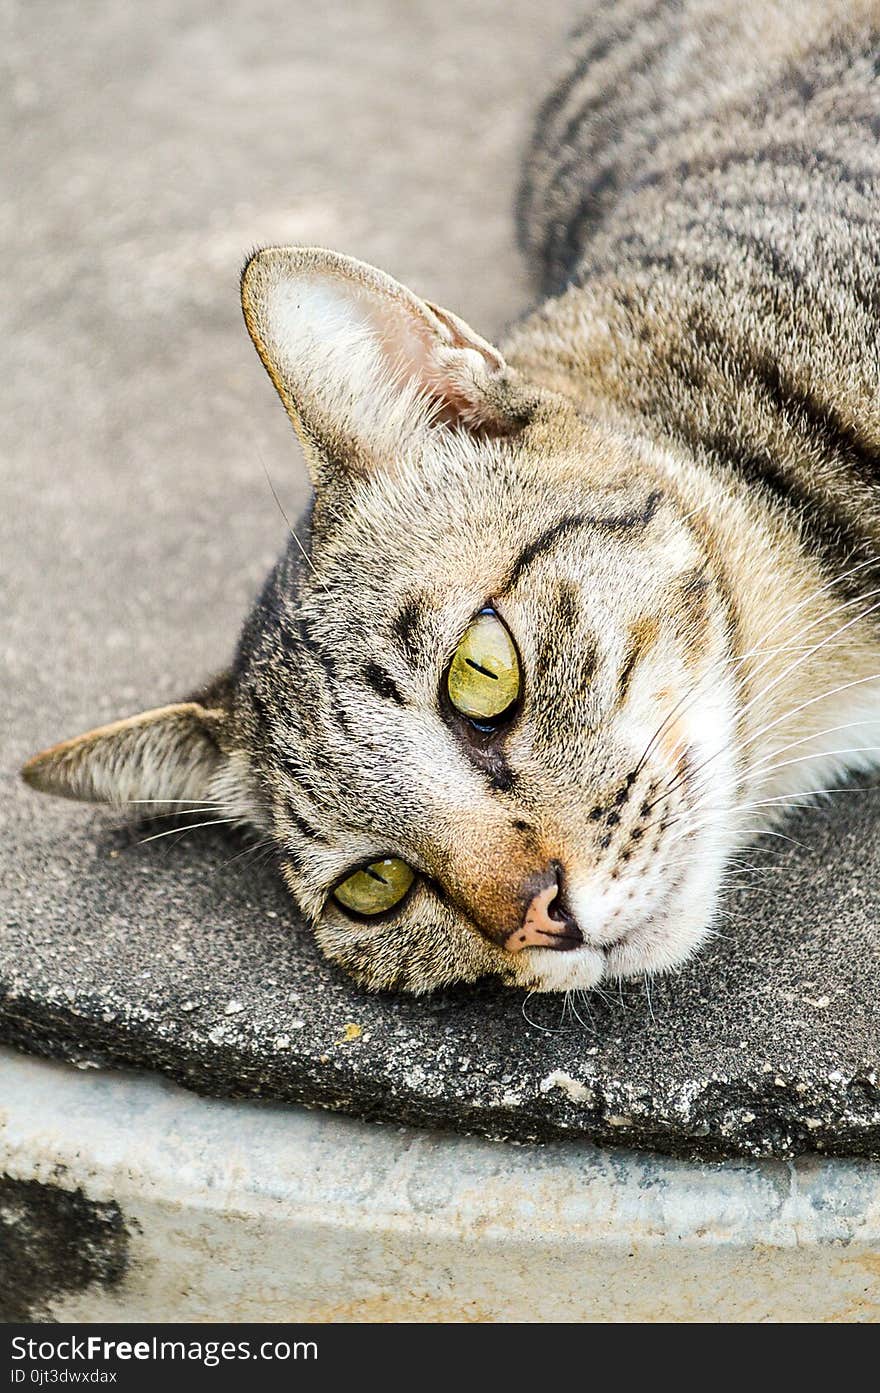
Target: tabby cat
577,617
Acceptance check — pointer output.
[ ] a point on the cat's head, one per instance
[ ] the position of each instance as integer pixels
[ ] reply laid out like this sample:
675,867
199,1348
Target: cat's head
474,707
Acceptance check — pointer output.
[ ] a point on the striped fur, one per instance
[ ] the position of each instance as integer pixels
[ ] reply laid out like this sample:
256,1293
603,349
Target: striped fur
666,481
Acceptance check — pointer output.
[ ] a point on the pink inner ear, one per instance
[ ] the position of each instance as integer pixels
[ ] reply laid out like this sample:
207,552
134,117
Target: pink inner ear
443,363
407,344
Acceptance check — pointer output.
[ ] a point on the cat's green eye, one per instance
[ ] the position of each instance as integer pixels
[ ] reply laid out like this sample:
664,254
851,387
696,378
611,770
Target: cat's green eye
484,675
377,888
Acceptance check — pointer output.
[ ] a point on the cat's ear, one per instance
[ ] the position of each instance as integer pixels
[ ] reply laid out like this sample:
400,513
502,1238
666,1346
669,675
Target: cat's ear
168,755
362,364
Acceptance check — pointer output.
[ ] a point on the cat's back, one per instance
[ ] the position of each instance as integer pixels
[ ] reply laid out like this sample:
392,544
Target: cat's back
654,91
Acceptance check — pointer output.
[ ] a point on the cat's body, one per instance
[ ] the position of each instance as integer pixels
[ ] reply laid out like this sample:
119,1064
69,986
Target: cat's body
665,489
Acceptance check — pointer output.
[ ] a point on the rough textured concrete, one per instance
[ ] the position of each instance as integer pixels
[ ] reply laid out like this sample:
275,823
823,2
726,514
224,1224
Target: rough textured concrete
151,148
243,1211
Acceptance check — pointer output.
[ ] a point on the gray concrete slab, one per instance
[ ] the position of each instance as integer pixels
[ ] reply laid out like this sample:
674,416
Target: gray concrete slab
152,146
180,1208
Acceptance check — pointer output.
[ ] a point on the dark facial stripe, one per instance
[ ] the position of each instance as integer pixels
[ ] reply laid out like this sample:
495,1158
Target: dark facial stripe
567,606
488,758
408,628
545,542
300,773
312,647
626,672
565,666
383,683
624,522
305,829
689,607
565,659
327,672
293,864
499,773
643,636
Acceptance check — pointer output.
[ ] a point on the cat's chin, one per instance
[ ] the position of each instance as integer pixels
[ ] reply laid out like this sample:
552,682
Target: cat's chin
546,970
637,955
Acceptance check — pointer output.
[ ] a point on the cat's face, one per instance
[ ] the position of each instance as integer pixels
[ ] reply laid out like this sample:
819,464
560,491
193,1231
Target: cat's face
367,757
467,717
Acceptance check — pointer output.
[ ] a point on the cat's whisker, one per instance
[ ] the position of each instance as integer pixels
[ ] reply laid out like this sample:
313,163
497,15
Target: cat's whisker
815,648
808,600
264,846
676,778
690,694
701,818
806,740
570,997
726,662
804,705
783,836
731,878
647,981
185,803
536,1025
148,817
787,800
818,754
760,651
303,552
603,995
703,812
769,832
193,827
778,862
824,696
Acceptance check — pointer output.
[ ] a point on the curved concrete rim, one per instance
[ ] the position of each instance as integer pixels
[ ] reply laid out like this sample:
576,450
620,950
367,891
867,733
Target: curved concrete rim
241,1211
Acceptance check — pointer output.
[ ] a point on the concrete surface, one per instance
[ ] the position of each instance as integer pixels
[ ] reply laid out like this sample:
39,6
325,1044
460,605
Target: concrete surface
150,147
189,1209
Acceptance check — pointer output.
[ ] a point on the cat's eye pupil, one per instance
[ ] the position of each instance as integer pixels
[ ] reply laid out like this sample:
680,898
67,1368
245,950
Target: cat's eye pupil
483,681
376,888
484,670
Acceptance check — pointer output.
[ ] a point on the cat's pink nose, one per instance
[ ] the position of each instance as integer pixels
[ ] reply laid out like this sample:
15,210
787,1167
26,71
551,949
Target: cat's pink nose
545,924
